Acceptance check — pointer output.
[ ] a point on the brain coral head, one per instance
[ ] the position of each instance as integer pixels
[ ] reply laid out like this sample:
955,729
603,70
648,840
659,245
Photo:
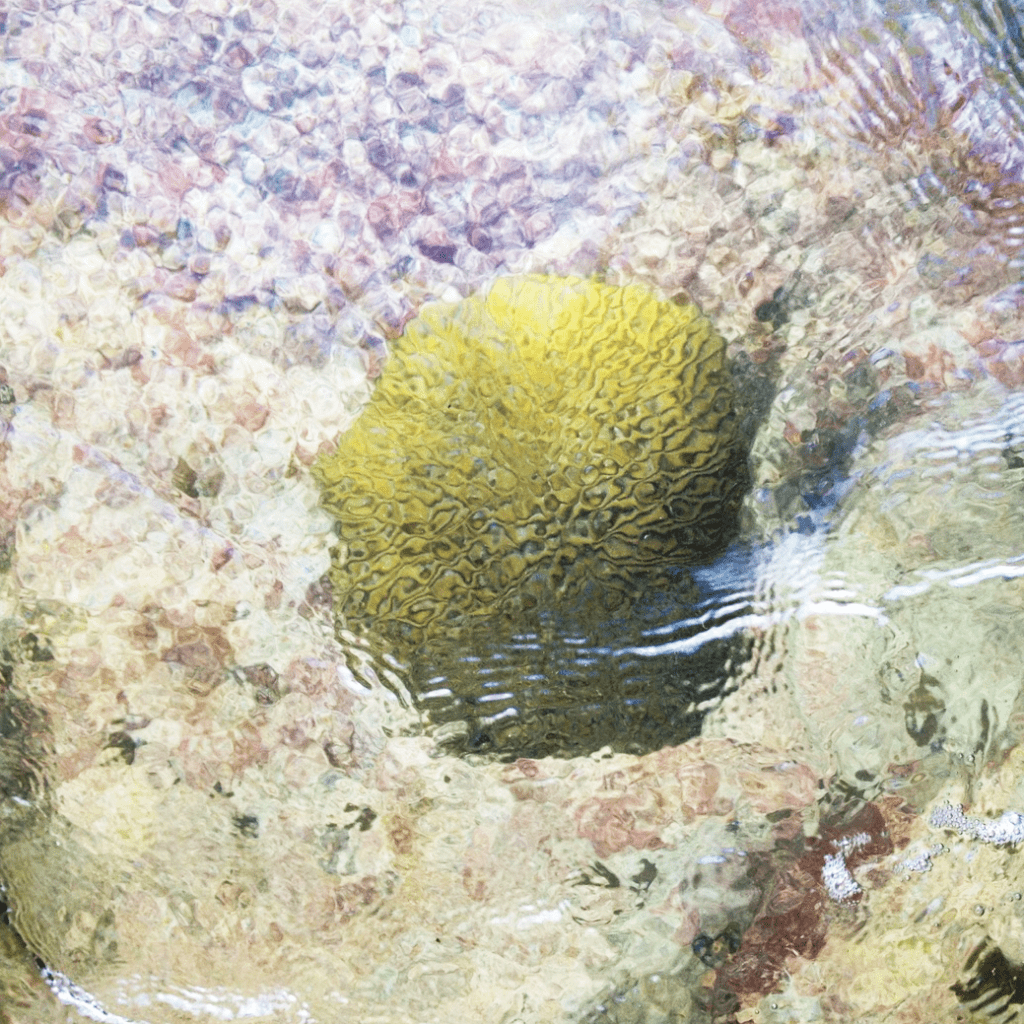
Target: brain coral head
527,443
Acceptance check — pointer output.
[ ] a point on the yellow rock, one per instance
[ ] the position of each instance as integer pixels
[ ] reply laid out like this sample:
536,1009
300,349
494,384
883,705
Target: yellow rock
525,442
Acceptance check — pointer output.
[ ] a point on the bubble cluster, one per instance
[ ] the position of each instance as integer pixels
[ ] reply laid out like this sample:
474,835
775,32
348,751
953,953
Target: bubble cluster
1007,828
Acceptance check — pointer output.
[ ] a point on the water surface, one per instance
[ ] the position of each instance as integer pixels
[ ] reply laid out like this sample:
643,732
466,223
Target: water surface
214,225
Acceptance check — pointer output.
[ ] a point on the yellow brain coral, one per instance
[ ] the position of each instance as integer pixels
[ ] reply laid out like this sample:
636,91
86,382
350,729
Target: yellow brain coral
548,434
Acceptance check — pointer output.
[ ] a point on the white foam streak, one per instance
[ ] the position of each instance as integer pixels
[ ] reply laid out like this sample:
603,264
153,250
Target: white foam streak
76,997
961,576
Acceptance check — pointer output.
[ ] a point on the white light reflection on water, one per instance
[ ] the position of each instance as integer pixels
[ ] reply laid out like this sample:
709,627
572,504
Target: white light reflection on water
222,1005
790,586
